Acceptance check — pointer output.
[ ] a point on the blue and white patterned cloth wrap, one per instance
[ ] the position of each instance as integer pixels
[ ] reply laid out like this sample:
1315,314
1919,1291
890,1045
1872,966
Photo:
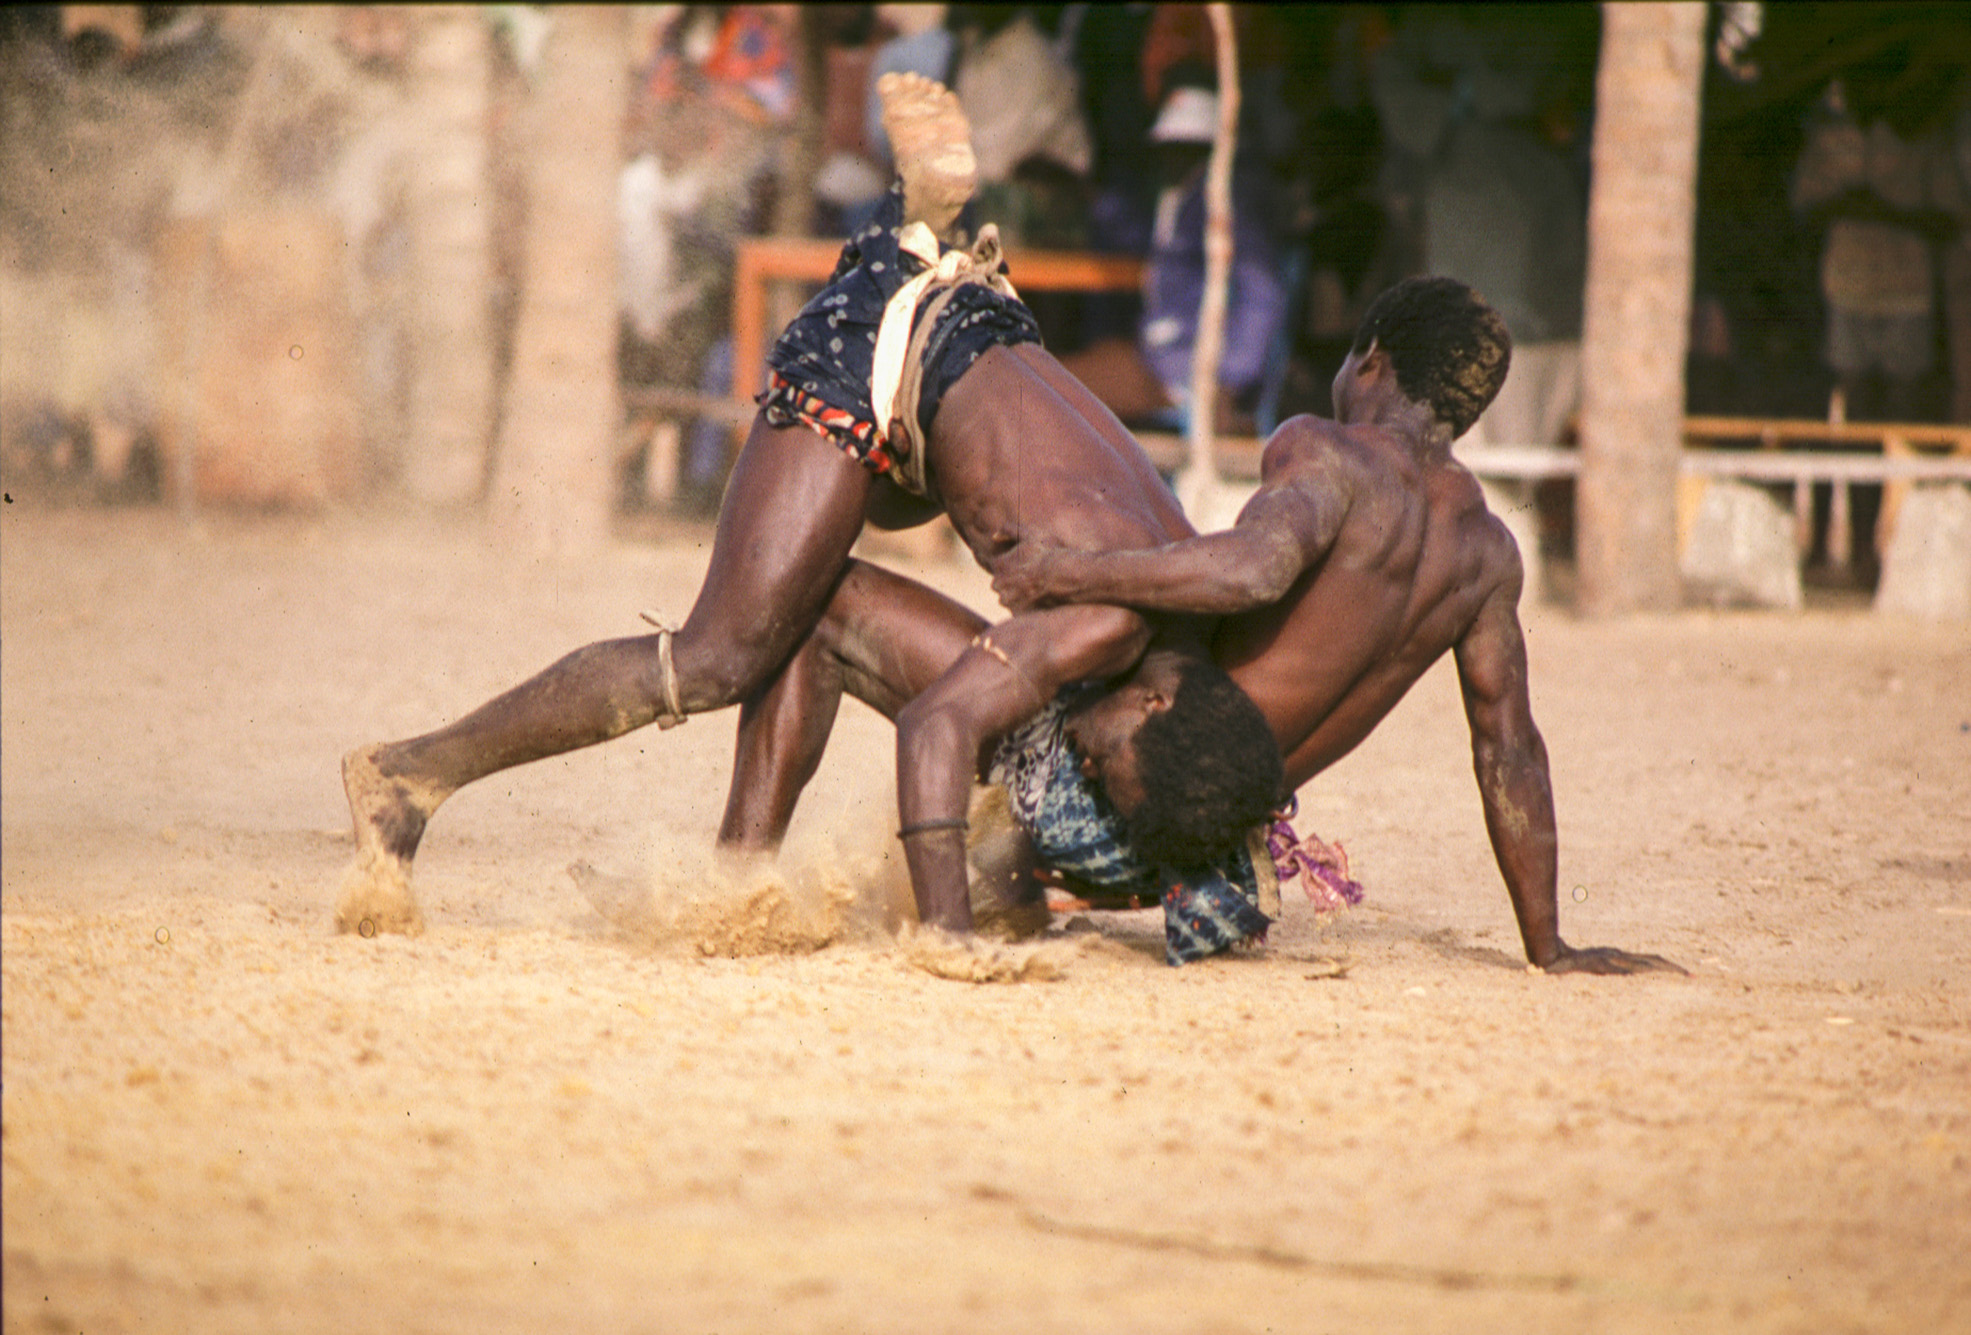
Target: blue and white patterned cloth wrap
1075,830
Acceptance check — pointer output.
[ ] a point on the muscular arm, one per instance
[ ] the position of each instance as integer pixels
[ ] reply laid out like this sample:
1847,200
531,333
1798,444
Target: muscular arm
1510,761
1283,530
943,735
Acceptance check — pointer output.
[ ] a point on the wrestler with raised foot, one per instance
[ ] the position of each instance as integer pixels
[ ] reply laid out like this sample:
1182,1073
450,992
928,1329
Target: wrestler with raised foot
930,141
983,424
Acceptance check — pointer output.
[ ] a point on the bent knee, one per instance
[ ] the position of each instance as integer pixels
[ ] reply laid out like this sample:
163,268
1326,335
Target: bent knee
716,671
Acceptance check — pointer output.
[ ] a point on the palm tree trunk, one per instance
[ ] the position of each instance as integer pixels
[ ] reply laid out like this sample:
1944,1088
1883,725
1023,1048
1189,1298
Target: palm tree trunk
553,479
1636,325
449,202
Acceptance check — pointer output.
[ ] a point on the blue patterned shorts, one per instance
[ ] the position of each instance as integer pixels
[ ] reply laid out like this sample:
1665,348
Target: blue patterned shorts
820,367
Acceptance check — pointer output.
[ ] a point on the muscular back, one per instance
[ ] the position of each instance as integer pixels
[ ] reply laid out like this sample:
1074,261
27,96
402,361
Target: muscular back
1414,558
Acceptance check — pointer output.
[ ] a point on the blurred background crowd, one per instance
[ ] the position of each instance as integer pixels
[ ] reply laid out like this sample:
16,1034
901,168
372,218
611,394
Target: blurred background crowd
159,157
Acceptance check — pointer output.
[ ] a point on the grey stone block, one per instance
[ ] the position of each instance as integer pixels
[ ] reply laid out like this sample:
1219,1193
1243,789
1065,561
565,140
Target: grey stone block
1742,551
1927,569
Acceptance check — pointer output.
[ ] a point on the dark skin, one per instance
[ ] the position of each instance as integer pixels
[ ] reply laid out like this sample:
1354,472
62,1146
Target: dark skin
1366,555
909,653
1020,451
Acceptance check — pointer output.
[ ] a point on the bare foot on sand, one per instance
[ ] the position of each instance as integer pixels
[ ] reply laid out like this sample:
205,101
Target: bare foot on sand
932,143
389,816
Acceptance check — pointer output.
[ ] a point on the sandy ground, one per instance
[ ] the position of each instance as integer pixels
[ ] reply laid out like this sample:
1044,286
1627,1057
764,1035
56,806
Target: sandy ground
221,1116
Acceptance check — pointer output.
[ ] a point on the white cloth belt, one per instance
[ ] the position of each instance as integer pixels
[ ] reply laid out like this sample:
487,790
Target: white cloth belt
892,392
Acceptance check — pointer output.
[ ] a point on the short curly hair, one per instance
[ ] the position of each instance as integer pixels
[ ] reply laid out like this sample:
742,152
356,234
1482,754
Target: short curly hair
1210,770
1449,349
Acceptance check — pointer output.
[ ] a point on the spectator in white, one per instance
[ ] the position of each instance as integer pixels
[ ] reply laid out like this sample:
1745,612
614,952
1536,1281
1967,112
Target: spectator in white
1022,96
650,201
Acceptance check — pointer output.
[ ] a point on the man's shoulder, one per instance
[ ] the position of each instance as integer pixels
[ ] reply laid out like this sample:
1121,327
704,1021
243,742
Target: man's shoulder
1307,444
1305,432
1497,566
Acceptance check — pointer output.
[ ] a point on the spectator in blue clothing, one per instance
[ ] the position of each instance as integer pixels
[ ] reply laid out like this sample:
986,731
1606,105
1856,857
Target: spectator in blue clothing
1173,288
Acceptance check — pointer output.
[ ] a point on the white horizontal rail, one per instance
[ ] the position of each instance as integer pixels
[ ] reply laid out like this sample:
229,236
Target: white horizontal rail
1532,462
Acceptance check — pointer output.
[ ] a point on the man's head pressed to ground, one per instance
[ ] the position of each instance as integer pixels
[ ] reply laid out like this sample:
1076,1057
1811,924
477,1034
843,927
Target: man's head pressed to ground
1184,756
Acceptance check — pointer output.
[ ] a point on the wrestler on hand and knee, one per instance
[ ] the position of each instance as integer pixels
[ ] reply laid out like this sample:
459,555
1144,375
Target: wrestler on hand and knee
1366,555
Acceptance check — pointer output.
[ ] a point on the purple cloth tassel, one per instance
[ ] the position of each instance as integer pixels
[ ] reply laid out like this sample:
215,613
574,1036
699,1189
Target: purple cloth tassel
1321,868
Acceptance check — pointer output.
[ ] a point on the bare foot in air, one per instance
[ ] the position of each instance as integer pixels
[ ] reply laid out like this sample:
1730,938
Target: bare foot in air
931,140
389,816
